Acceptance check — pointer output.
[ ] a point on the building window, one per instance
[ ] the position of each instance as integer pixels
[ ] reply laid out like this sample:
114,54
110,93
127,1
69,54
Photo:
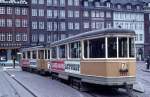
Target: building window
77,26
70,13
62,13
34,12
34,37
24,37
34,25
55,26
41,12
41,25
2,10
2,37
17,23
128,7
41,38
17,11
2,22
18,37
34,1
108,4
86,14
108,14
93,14
55,2
9,22
102,14
108,24
24,11
76,2
86,4
9,10
49,2
70,25
48,38
70,2
118,6
97,4
76,14
49,14
24,23
41,1
62,26
49,26
86,25
141,37
9,37
55,13
62,2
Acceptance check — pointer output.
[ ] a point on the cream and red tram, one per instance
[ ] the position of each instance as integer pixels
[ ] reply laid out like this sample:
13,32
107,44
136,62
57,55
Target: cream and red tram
104,57
35,58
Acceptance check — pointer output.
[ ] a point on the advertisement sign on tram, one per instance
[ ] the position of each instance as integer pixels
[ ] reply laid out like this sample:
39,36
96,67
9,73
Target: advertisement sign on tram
57,66
25,62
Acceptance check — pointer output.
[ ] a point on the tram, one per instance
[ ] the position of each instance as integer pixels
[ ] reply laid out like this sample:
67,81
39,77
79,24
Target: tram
103,57
35,58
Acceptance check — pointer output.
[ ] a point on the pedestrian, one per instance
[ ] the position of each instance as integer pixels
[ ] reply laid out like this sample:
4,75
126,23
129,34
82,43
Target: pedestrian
14,59
148,62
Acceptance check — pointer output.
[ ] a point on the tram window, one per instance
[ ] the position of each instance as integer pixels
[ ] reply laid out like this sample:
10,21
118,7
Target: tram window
48,54
34,54
45,54
131,47
62,51
75,50
122,47
41,54
54,52
97,48
28,55
112,47
85,48
23,55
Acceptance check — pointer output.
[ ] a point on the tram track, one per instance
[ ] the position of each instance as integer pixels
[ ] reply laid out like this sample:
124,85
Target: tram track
15,91
28,90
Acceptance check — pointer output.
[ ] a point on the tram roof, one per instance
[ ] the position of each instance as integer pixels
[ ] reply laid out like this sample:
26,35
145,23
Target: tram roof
95,33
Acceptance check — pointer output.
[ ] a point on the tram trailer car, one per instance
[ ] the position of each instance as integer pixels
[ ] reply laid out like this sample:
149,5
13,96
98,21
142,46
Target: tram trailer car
35,59
103,57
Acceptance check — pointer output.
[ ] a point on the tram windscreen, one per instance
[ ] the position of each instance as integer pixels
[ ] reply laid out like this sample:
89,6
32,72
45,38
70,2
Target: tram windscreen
122,47
112,47
97,48
131,47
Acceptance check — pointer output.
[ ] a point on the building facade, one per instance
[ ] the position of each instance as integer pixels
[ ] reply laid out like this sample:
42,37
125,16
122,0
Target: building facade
14,27
130,15
63,18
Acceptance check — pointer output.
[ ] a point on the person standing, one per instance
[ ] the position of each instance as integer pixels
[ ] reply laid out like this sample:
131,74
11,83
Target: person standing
148,62
14,59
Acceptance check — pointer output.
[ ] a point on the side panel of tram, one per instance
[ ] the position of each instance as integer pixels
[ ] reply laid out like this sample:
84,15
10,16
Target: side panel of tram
35,59
105,60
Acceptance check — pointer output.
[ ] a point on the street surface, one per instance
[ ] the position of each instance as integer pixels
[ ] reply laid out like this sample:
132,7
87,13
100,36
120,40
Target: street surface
24,84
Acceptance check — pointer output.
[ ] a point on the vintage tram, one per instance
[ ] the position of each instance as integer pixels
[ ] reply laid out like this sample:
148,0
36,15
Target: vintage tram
104,57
